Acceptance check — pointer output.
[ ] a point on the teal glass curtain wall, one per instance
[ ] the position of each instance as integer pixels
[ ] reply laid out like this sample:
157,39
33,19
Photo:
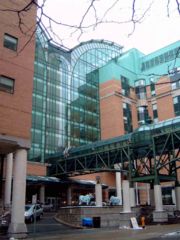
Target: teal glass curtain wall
65,109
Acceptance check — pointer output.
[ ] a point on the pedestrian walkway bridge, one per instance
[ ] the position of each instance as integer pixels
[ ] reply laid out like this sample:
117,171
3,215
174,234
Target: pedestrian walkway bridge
150,153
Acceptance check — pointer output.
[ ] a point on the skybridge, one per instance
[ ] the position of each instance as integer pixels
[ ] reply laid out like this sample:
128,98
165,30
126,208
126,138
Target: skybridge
149,154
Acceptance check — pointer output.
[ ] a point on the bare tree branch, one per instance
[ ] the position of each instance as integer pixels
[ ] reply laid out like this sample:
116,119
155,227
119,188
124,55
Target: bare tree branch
168,2
80,28
139,20
178,6
109,9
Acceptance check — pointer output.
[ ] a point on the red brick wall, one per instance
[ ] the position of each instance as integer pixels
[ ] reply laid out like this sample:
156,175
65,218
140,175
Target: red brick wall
15,109
106,178
134,116
37,169
111,110
164,99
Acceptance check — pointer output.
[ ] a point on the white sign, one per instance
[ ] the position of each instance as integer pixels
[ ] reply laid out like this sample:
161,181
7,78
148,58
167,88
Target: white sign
134,223
34,199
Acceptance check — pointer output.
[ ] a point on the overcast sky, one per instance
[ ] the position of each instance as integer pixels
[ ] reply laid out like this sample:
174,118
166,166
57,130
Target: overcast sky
155,31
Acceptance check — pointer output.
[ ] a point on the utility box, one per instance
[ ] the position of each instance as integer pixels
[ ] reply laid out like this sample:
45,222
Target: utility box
87,222
96,222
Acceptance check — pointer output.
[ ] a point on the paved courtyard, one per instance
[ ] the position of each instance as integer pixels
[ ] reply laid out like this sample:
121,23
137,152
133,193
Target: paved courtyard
49,229
155,232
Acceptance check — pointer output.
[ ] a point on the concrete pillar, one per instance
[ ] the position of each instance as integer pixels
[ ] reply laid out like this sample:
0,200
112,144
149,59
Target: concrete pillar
158,198
98,192
42,194
17,228
8,180
69,196
126,196
132,197
137,193
118,184
173,197
177,192
148,193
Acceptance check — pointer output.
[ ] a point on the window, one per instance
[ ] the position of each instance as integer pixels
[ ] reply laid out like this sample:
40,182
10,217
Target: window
176,101
155,112
167,56
141,92
125,86
143,115
152,86
6,84
10,42
127,117
143,67
140,89
147,65
175,85
140,82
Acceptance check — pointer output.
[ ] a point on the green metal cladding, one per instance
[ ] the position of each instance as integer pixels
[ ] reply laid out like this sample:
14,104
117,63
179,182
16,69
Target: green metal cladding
135,65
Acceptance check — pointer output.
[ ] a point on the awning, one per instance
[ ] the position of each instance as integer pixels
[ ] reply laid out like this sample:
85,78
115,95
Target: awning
32,179
44,179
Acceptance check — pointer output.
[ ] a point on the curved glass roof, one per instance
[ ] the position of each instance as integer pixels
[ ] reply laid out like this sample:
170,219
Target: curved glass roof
95,41
107,50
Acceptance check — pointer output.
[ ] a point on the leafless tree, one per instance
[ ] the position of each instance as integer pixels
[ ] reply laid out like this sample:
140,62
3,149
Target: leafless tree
135,15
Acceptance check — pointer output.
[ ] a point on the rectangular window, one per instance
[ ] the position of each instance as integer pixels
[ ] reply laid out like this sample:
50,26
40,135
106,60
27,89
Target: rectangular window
127,117
155,112
143,67
125,86
147,65
6,84
161,57
152,86
140,82
143,115
152,62
173,85
156,60
10,42
176,101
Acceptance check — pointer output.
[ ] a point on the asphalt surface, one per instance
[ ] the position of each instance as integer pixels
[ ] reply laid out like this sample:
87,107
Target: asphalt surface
47,225
48,229
158,232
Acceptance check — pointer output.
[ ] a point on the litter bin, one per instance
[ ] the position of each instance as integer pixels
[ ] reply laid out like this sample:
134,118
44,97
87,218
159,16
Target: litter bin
87,222
96,222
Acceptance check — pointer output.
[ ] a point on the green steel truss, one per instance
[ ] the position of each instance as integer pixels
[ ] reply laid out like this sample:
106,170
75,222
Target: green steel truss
149,154
158,161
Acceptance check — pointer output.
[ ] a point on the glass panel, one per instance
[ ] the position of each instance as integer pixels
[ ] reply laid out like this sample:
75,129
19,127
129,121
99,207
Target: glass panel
66,100
6,84
10,42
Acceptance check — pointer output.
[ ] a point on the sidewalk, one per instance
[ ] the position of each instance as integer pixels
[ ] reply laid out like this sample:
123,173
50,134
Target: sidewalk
117,234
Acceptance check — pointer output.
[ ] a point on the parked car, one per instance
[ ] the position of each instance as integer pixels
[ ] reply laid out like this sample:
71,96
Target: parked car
47,207
33,211
5,219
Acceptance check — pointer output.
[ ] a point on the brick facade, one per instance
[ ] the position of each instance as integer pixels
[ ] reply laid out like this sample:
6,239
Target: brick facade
37,169
111,104
15,109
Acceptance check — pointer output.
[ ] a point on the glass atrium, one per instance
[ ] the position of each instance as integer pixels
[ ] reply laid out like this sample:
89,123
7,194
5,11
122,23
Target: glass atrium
65,110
